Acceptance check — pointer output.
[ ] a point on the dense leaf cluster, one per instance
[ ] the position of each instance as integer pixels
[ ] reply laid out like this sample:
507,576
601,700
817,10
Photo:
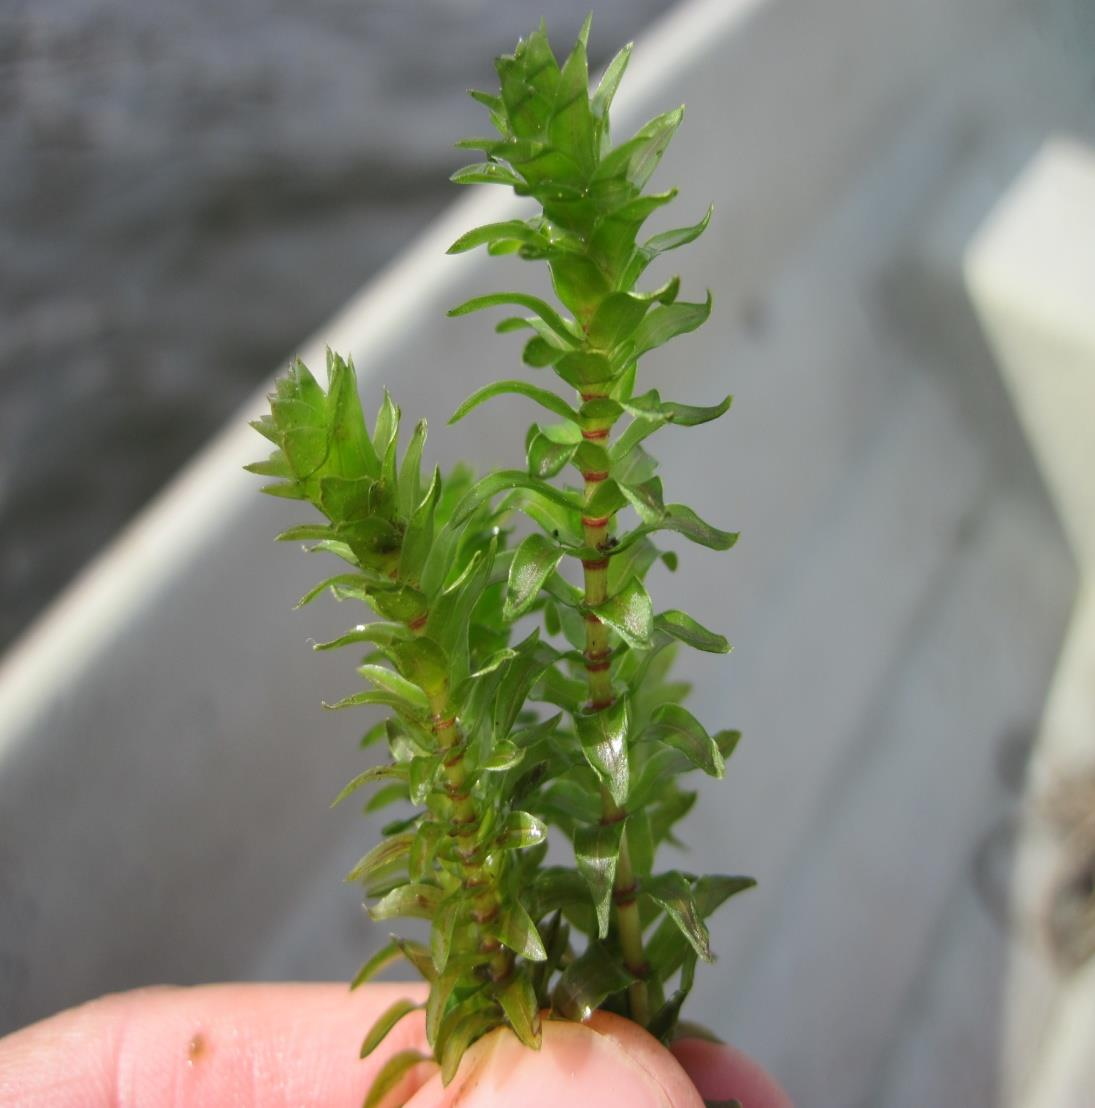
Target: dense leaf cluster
492,741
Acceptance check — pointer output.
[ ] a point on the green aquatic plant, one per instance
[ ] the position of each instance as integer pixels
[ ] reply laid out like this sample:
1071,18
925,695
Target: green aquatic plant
525,671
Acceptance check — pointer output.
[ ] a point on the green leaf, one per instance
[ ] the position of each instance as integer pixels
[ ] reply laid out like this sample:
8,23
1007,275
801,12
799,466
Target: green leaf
518,1001
391,1073
601,100
678,728
385,1022
398,686
409,482
674,893
603,736
636,159
521,829
534,304
514,928
543,397
681,236
514,230
465,1031
371,775
533,561
587,981
665,1019
486,173
683,627
546,456
441,932
424,664
666,322
414,900
667,948
382,855
503,481
380,961
596,851
629,613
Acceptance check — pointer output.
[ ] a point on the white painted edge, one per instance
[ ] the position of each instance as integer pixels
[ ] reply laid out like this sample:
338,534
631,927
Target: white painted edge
178,521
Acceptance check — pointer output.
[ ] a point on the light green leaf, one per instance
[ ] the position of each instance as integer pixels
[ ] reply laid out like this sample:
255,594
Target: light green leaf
668,321
414,900
509,230
534,304
543,397
521,829
374,773
441,932
514,928
398,686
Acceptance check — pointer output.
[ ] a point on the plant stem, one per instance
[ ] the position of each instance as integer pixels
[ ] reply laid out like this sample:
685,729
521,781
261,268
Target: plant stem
463,822
601,696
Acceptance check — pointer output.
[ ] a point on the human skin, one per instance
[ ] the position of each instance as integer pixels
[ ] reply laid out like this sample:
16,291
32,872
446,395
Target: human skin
293,1044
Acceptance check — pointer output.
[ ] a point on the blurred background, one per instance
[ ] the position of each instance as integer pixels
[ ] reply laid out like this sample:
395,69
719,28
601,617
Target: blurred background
186,191
903,265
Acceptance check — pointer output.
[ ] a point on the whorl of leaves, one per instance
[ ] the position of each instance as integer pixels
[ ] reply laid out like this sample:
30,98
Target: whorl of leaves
581,729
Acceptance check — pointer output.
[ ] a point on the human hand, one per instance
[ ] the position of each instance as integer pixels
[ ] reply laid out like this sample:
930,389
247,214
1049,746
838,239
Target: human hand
292,1044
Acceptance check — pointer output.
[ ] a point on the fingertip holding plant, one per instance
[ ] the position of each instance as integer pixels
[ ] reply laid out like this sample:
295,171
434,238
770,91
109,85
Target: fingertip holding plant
575,729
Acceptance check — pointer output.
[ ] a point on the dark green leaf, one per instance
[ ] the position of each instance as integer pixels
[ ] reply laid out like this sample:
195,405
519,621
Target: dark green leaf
587,981
596,851
667,948
385,1022
684,627
518,1001
391,1073
603,736
465,1031
383,958
674,893
678,728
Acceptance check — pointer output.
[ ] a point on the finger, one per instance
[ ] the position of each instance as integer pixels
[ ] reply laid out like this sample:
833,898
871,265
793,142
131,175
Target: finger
606,1061
242,1045
722,1072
